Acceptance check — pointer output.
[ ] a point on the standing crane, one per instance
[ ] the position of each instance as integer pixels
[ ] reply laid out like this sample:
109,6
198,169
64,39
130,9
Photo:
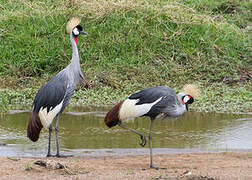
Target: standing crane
53,97
151,102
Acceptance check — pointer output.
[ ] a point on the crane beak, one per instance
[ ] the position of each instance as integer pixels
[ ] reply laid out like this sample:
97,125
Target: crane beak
83,33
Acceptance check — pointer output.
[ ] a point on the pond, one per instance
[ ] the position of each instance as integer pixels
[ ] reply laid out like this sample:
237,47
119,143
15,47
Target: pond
86,134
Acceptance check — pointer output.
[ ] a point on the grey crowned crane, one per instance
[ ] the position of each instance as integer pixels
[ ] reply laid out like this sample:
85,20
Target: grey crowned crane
53,97
151,102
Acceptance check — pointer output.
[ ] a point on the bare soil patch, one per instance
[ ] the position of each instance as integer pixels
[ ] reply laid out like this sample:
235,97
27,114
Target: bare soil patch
195,166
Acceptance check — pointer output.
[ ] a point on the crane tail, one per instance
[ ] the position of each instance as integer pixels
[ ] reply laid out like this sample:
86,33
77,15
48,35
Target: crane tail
34,127
112,117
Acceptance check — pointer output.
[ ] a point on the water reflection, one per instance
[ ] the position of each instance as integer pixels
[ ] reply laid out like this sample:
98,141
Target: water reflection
191,131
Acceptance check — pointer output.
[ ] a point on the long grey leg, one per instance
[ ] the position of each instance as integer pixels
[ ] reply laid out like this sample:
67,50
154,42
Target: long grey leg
57,139
142,136
150,144
49,142
56,134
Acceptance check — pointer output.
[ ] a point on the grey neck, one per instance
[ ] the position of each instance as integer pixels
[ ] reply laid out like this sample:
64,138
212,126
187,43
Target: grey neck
178,108
181,108
75,56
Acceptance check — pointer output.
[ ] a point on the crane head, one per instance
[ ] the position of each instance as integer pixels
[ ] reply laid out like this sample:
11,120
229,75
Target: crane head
77,31
187,99
188,94
74,27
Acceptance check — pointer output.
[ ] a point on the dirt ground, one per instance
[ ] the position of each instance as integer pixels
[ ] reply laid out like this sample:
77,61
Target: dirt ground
211,166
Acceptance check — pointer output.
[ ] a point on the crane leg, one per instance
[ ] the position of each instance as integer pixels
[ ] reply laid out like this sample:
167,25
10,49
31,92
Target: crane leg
56,134
49,142
150,144
57,139
142,136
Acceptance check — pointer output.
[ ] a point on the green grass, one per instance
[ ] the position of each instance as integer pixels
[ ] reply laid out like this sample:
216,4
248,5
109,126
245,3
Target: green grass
215,98
131,45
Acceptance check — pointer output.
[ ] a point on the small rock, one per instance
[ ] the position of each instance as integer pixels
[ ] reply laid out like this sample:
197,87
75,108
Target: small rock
50,164
188,173
40,163
13,158
59,166
28,168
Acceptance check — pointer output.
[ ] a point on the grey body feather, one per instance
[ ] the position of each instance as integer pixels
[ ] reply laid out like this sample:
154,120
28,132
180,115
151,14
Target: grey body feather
170,105
62,86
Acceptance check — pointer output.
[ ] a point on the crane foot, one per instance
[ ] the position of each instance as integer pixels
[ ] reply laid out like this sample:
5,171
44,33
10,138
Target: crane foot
63,156
157,168
49,155
59,156
143,138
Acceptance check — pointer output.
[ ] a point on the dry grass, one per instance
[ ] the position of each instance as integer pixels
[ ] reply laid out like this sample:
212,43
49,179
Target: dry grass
177,12
99,9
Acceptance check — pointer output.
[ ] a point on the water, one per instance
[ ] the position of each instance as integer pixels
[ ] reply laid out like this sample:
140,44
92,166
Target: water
86,134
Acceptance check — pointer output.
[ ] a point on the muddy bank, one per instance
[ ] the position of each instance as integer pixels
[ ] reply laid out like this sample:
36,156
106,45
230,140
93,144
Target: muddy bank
229,166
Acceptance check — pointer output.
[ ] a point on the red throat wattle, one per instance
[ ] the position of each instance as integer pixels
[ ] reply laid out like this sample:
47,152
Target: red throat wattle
76,40
183,102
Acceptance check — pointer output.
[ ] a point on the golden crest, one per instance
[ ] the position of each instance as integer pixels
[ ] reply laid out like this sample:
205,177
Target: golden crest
192,90
71,24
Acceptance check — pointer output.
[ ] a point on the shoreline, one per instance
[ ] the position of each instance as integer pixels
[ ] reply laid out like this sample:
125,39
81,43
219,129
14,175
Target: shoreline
79,113
121,152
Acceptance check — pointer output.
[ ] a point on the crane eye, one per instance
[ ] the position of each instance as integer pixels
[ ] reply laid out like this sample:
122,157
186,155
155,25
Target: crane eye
76,32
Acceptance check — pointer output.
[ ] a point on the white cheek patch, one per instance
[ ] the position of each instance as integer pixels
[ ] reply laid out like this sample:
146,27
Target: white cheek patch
186,99
47,118
76,32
